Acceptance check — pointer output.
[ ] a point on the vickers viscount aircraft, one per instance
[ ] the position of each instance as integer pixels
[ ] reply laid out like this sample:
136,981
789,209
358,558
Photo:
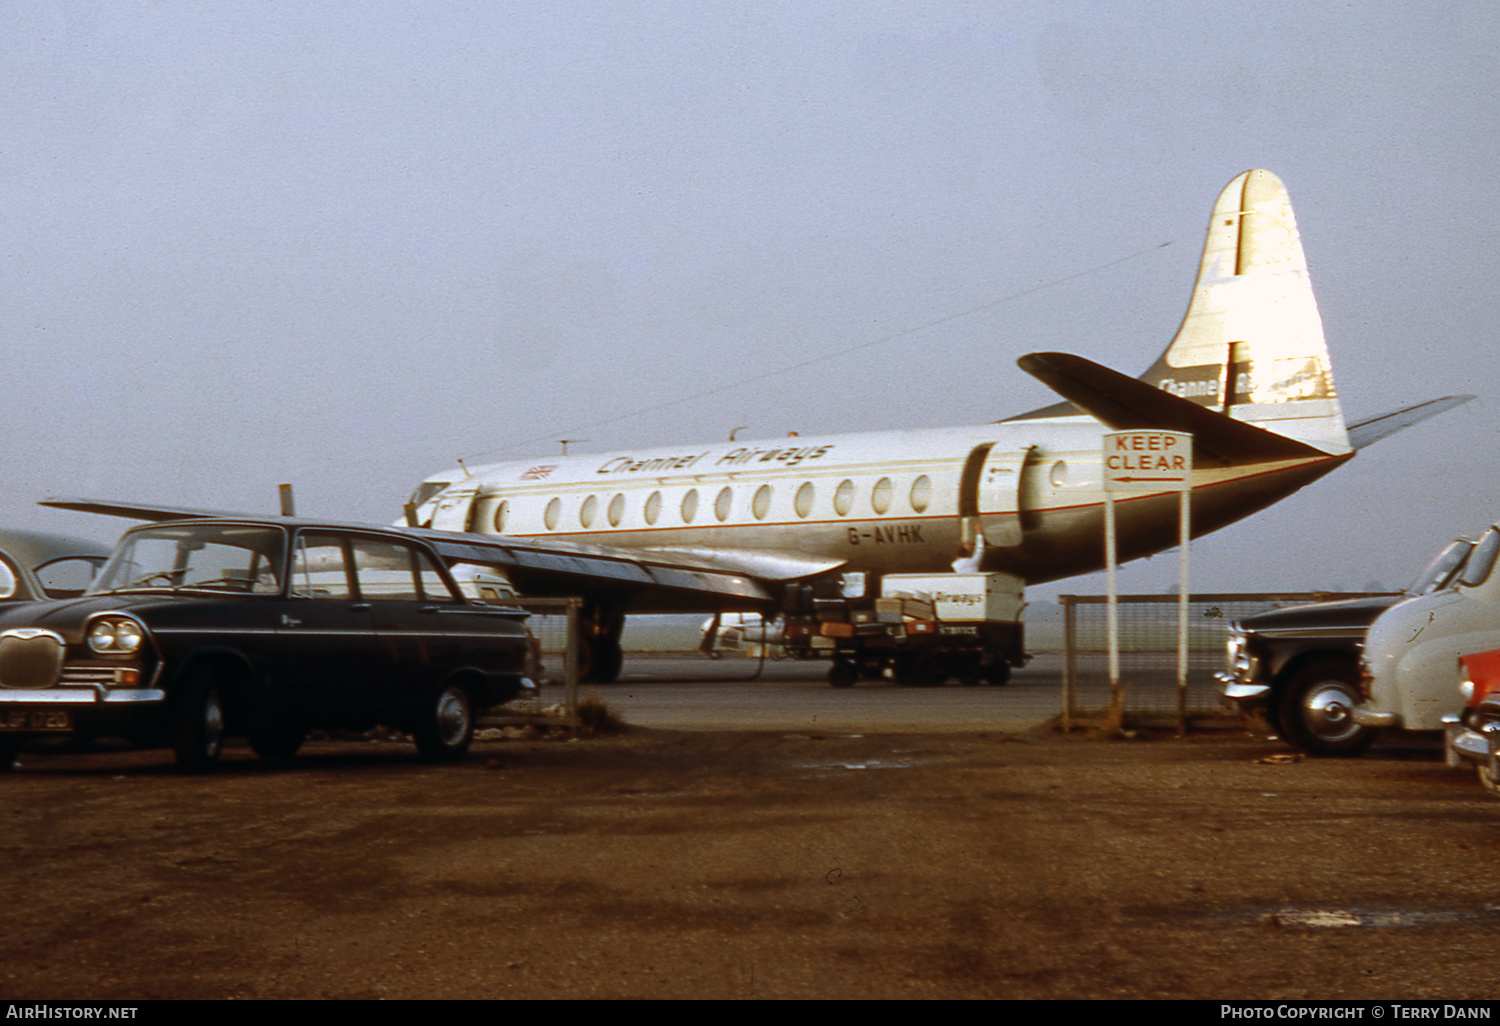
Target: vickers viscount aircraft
1247,375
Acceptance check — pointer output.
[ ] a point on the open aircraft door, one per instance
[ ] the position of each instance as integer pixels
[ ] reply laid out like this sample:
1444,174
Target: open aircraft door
455,509
991,496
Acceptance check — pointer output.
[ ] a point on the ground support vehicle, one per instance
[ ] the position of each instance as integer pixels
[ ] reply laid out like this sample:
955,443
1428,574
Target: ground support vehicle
200,629
1299,666
922,629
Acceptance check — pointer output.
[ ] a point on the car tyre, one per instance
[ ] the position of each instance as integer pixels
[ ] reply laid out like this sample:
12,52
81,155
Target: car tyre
276,742
445,735
198,737
1316,711
842,674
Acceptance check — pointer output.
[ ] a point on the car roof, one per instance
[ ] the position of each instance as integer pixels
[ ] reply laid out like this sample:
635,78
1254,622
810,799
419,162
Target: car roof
31,548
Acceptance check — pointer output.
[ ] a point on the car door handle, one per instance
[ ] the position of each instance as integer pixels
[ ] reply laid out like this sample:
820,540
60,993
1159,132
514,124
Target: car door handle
359,607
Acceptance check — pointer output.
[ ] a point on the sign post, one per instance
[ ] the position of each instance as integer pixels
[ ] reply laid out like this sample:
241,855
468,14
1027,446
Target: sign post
1148,461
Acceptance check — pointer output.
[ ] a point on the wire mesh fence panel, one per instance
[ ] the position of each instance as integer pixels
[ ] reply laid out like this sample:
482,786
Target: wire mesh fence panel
1148,645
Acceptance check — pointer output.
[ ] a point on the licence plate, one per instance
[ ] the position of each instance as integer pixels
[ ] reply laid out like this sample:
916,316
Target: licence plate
35,719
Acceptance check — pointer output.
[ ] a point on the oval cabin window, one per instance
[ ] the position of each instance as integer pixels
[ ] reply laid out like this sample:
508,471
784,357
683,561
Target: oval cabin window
502,513
690,506
805,496
843,498
617,510
761,504
653,507
921,493
880,497
587,511
724,503
553,514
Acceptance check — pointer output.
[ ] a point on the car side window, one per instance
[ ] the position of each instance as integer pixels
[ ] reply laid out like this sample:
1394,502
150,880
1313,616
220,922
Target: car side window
385,571
7,580
434,588
320,568
393,572
66,576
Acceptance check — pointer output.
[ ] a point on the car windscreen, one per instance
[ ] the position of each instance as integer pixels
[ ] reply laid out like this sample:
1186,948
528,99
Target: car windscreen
1482,561
207,557
1443,568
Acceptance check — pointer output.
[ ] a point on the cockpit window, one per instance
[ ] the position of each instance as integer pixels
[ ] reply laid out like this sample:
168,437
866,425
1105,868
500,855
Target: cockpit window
1483,560
1443,568
426,490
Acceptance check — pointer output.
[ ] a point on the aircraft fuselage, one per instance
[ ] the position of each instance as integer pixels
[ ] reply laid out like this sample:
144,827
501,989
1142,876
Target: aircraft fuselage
880,502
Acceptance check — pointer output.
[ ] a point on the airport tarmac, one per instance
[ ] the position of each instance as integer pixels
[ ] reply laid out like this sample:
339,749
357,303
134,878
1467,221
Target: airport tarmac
774,862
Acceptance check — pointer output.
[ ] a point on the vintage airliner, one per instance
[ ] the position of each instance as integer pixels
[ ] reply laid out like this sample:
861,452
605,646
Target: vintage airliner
1023,498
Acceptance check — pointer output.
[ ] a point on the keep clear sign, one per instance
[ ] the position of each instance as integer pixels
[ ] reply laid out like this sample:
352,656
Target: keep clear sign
1147,461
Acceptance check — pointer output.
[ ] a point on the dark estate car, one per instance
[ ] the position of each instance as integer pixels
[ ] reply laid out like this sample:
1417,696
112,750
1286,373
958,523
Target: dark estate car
1300,665
199,629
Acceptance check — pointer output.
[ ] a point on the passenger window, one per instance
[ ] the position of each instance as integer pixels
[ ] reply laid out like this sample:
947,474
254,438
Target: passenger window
843,499
553,514
587,510
434,588
653,507
921,494
616,510
690,506
761,504
880,496
502,513
724,503
320,568
805,496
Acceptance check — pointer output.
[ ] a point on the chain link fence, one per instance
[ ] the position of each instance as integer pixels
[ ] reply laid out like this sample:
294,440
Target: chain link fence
1148,652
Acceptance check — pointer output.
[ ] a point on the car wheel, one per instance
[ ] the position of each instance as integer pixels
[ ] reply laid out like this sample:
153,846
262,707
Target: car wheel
449,727
1316,710
276,742
198,737
842,674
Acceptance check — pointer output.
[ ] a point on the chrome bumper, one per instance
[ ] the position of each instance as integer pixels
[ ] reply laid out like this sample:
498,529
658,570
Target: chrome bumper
80,696
1369,716
1467,746
1243,694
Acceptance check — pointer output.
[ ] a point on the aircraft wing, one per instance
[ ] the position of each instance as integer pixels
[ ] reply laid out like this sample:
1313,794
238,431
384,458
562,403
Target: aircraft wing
1374,429
1125,403
664,581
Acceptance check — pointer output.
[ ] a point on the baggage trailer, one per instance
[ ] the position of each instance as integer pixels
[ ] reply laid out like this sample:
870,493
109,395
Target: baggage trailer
921,630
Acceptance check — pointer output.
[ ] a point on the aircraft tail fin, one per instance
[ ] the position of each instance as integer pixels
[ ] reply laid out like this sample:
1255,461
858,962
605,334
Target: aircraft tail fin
1251,344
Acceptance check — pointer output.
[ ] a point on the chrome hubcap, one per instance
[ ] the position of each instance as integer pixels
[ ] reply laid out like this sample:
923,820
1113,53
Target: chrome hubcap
1327,712
452,717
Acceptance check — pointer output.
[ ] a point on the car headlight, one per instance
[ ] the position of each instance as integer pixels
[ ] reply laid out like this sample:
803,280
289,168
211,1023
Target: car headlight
115,635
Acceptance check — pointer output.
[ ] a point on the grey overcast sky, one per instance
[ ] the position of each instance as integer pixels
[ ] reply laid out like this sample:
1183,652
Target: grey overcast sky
342,244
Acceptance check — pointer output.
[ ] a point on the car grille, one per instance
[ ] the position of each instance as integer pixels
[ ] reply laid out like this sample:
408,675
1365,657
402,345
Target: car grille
30,659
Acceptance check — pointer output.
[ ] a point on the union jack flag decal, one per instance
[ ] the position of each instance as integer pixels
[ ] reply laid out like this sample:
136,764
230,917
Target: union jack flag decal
537,473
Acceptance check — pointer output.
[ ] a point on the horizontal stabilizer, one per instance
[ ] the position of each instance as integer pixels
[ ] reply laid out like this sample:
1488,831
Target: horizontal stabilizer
1374,429
1125,403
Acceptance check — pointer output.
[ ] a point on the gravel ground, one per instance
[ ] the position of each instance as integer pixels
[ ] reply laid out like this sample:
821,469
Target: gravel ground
662,863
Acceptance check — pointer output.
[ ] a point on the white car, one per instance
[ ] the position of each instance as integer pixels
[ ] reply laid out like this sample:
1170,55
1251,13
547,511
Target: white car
1410,669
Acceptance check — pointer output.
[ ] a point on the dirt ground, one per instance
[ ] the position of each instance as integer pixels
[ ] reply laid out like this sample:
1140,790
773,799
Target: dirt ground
770,865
